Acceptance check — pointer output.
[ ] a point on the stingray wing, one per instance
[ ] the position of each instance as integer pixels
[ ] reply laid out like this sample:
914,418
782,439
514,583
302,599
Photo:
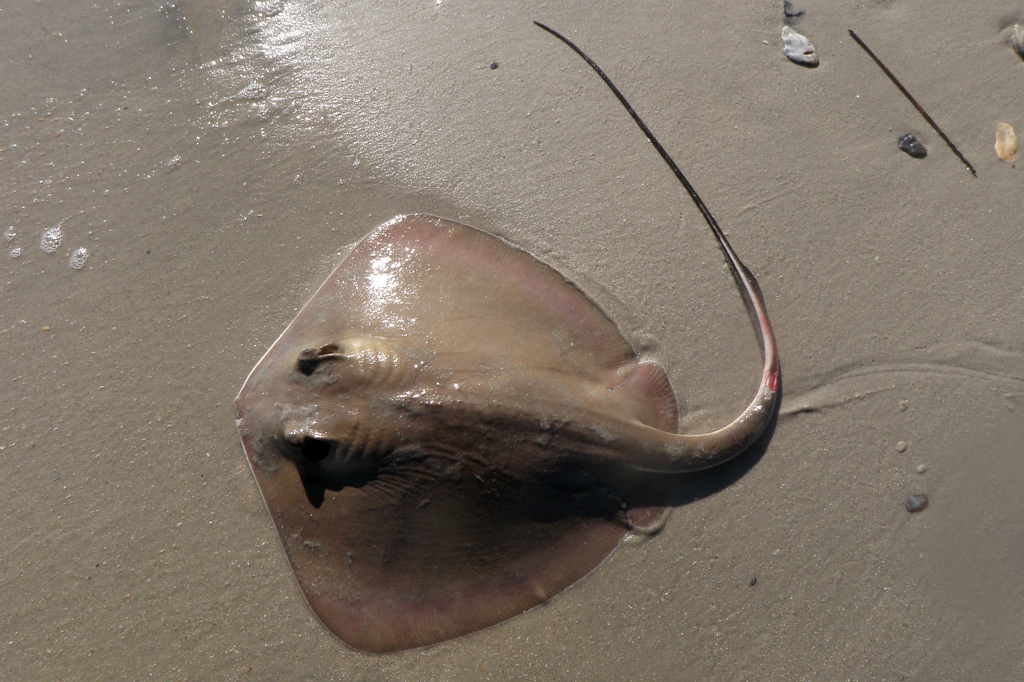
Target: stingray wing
462,291
433,549
455,534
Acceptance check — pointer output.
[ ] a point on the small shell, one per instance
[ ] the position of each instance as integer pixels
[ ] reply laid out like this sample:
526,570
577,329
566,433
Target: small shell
911,145
1006,142
798,48
1017,40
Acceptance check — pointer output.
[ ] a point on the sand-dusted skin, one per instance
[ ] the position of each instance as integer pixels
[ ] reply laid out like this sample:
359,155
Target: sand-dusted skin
450,432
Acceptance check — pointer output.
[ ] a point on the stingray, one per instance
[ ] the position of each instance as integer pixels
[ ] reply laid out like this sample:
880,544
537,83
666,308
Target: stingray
450,432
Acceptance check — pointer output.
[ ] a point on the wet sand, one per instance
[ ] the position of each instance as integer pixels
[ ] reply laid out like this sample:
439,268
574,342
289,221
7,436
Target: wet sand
217,158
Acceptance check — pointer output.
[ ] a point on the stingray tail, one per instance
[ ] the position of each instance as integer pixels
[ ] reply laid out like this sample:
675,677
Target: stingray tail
686,452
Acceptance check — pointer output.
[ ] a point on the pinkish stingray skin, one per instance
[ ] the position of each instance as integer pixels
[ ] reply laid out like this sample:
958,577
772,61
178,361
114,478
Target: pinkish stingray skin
442,434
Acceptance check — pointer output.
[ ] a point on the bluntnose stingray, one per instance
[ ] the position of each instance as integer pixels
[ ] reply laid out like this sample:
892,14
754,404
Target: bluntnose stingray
450,432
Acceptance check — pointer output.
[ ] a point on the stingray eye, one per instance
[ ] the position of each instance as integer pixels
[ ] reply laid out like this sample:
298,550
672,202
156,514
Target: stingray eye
315,450
357,361
311,358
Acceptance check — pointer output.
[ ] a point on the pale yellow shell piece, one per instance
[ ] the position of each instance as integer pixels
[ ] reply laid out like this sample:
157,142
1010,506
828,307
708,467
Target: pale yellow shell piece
1006,142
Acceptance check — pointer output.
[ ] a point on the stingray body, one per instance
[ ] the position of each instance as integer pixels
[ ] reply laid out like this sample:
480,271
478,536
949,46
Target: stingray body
450,433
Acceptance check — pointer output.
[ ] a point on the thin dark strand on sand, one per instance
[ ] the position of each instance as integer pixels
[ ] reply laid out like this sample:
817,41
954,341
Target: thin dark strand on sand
913,101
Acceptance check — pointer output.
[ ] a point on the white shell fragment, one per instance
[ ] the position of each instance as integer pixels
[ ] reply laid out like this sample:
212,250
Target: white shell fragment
1006,142
798,48
1017,40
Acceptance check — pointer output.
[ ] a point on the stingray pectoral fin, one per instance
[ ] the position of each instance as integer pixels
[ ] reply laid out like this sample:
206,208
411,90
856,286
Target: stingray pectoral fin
436,546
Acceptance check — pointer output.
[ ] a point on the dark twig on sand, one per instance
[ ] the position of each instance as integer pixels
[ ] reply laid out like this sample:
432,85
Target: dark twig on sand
913,101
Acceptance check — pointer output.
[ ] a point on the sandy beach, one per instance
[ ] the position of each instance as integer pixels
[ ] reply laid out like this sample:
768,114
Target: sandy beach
216,159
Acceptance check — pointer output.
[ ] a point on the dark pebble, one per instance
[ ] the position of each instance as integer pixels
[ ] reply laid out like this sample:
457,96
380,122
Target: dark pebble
912,146
916,503
753,581
494,65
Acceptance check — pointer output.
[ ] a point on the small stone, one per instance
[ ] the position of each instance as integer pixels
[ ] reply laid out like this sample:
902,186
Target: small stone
904,404
901,446
494,65
916,503
921,468
1006,142
798,48
912,146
